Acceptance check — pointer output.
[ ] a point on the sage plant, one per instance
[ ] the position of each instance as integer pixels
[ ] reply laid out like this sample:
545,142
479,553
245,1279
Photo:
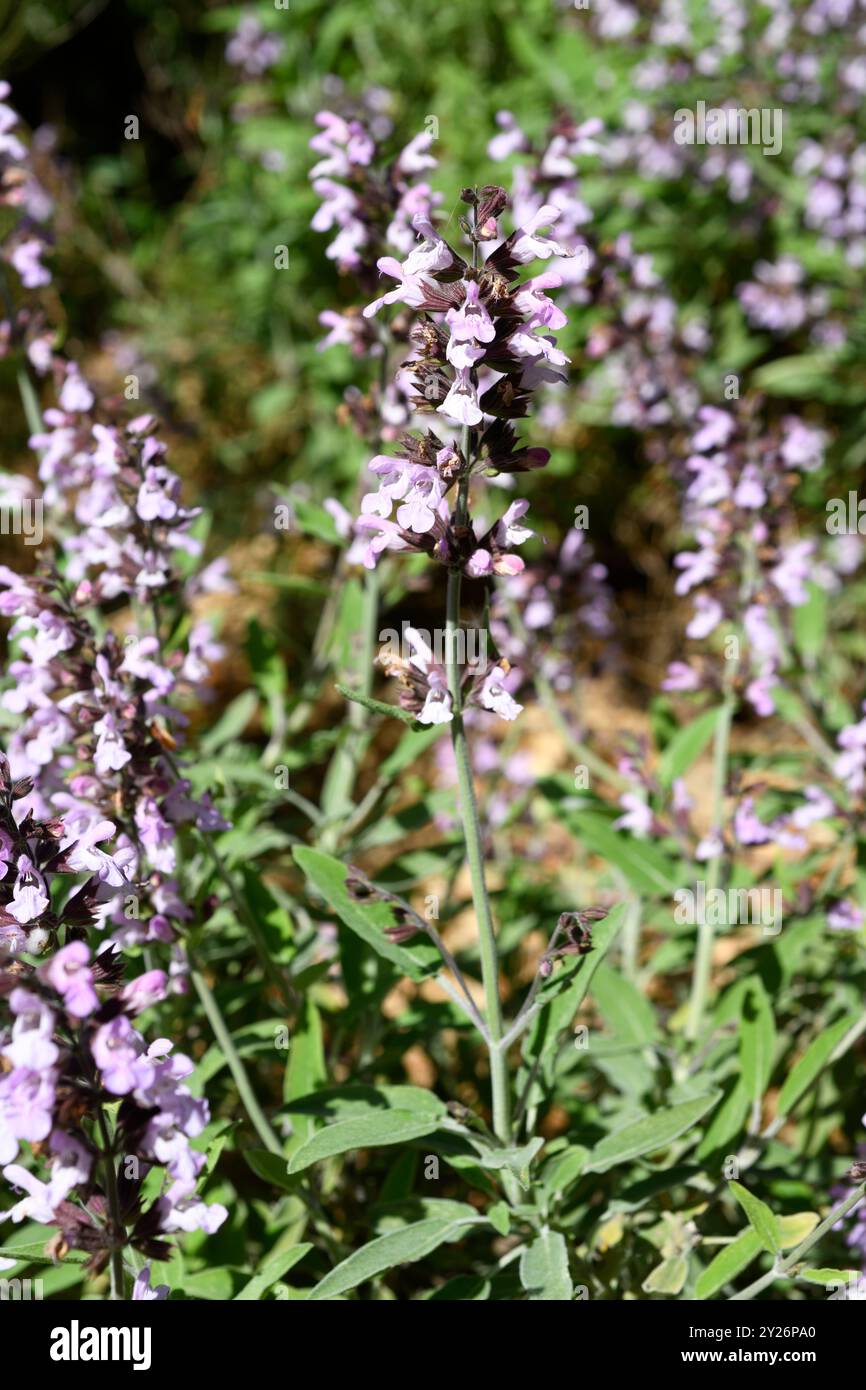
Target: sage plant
481,344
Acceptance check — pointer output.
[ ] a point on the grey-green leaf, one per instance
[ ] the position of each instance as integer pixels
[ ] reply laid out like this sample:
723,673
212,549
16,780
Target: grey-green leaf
811,1064
361,1132
401,1247
271,1271
760,1217
544,1269
369,920
757,1040
687,745
649,1134
729,1262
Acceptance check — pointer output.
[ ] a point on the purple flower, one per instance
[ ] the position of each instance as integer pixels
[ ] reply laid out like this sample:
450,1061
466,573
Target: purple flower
638,818
27,1101
116,1049
461,402
748,828
144,991
25,259
39,1203
83,855
252,48
30,895
845,915
142,1291
69,973
494,695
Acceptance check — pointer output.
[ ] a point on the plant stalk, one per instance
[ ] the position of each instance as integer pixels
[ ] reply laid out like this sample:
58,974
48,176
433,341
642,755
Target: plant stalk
235,1065
704,954
468,806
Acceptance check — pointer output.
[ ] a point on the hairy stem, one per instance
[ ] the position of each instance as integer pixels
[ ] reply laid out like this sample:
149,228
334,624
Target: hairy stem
468,807
235,1065
704,954
116,1262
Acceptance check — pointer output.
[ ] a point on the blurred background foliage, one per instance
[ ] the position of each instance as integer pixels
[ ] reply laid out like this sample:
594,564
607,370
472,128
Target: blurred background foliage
166,242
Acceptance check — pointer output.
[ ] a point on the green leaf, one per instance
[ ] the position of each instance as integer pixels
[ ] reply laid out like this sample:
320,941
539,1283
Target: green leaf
649,1134
270,1168
757,1040
377,706
827,1277
667,1277
811,1064
730,1261
363,1132
411,745
645,866
564,1168
305,1069
728,1121
795,1227
232,723
517,1160
23,1247
274,1267
346,1102
810,622
760,1218
369,920
687,745
499,1216
401,1247
544,1269
805,375
628,1012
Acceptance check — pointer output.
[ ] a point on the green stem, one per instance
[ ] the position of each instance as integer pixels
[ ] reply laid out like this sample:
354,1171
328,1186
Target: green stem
235,1065
704,954
781,1267
116,1261
468,807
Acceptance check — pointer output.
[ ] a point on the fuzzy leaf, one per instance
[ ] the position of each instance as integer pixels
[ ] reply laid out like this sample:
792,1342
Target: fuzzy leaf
362,1132
649,1134
401,1247
544,1269
731,1260
760,1217
369,920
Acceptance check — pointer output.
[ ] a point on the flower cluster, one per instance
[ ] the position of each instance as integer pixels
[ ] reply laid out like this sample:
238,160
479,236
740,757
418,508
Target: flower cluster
481,345
97,794
368,202
749,566
26,243
71,1050
647,353
424,684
